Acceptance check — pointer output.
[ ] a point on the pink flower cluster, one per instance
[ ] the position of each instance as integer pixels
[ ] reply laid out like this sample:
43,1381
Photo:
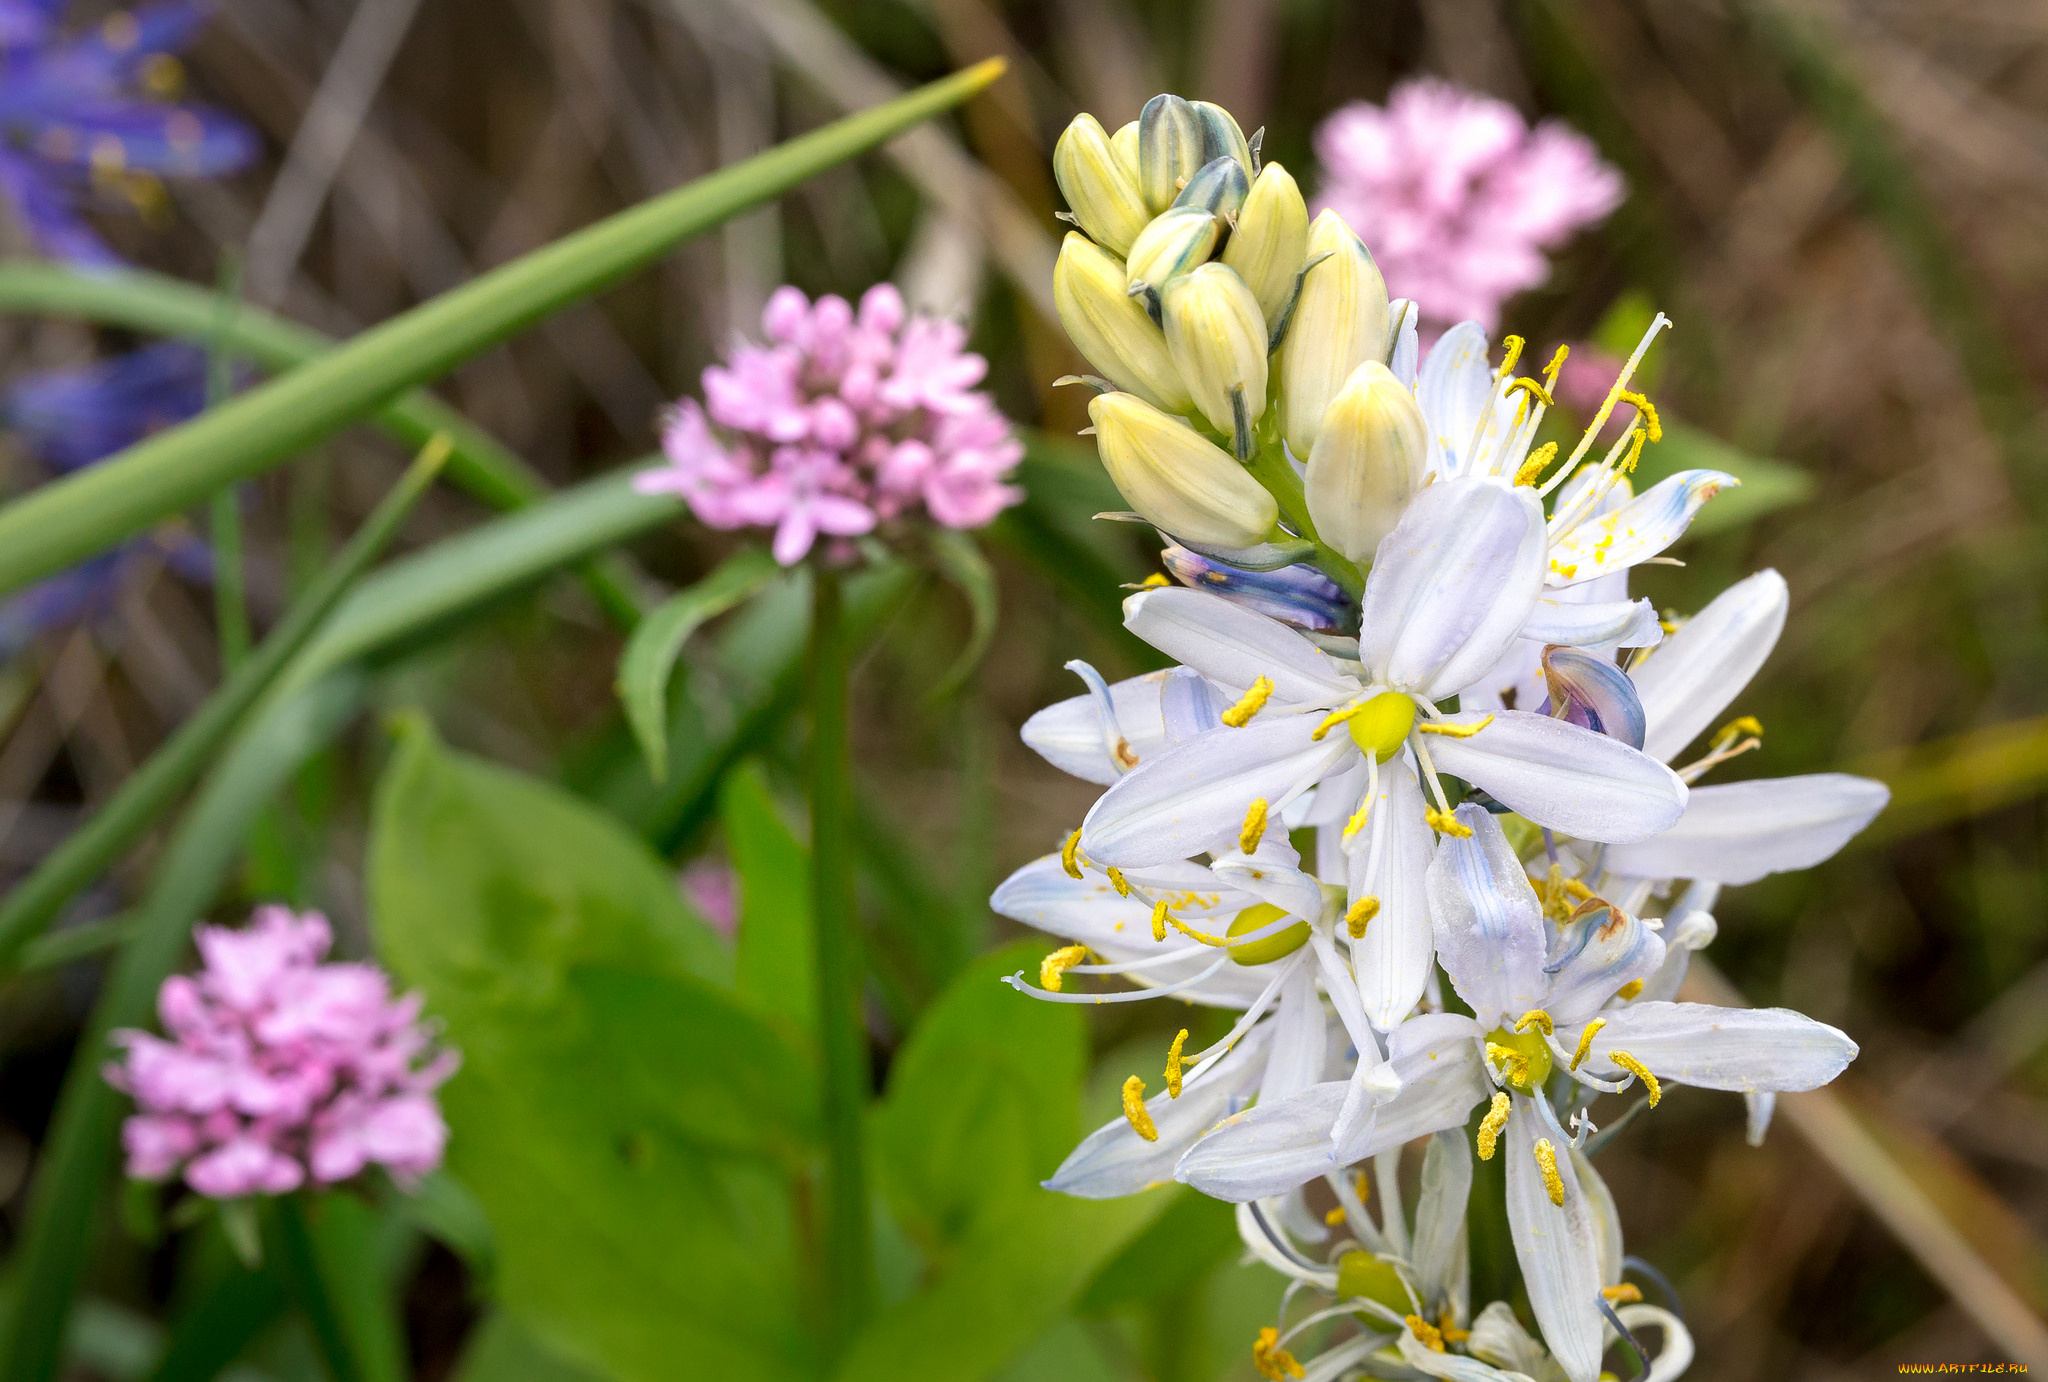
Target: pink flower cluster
843,421
279,1069
1457,197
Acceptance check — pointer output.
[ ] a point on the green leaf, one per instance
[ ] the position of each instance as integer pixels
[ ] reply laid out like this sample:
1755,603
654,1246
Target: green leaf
443,1207
1193,1235
776,970
236,1305
1766,484
489,885
658,640
92,509
628,1126
962,563
503,1350
330,1254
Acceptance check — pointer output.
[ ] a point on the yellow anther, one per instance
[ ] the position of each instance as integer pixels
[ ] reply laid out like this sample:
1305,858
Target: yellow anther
1116,880
1358,819
1627,1293
1444,823
1135,1111
1513,1064
1578,891
1643,405
1359,915
1254,828
1513,345
1556,365
1629,990
1635,453
1490,1126
1736,728
1173,1064
1274,1363
1546,1158
1361,1187
1426,1334
1053,968
1248,705
1586,1042
1154,581
1532,469
1451,731
1533,389
1159,920
1446,1321
1335,718
1536,1017
1070,855
1334,1217
1641,1072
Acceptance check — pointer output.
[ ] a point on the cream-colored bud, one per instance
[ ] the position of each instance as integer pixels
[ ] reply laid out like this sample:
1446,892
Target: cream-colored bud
1367,462
1110,327
1221,134
1175,242
1270,243
1104,198
1340,321
1219,186
1124,143
1169,149
1178,480
1217,338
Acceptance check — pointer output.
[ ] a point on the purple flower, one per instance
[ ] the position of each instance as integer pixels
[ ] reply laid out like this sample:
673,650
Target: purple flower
278,1070
1459,198
82,120
843,421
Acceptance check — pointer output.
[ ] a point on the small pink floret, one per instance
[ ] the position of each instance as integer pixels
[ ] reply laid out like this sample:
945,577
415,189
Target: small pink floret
1457,197
279,1070
846,419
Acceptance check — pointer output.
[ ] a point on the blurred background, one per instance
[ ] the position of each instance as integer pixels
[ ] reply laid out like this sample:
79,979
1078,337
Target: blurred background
1840,206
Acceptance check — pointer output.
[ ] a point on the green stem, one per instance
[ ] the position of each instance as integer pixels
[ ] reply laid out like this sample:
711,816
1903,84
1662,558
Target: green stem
1269,467
848,1260
301,1264
150,790
230,587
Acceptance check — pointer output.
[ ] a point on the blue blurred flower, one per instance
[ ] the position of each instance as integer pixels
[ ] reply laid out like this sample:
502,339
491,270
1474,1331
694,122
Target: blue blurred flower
87,114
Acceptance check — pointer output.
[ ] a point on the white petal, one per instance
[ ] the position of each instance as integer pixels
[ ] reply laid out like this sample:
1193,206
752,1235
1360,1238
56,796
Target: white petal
1451,1367
1452,386
1392,959
1192,798
1189,704
1439,1243
1639,530
1268,1150
1088,910
1434,1059
1069,734
1191,891
1674,1356
1556,1247
1295,1059
1405,357
1758,1105
1737,832
1740,1049
1452,585
1490,932
1560,775
1498,1337
1273,875
1113,1160
1605,1216
1611,623
1592,956
1234,646
1689,681
1338,797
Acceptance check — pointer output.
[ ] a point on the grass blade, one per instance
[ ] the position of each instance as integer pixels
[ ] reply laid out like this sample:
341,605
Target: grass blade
652,651
165,474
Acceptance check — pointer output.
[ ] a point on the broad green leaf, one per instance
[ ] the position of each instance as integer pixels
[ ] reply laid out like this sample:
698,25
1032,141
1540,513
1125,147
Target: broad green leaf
502,1350
1766,484
235,1306
489,885
657,641
331,1252
90,510
776,973
1193,1235
443,1207
962,563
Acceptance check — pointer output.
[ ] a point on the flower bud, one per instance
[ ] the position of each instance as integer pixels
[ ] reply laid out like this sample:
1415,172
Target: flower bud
1221,134
1270,243
1174,243
1218,186
1124,144
1340,322
1169,149
1178,481
1111,328
1103,196
1217,339
1367,462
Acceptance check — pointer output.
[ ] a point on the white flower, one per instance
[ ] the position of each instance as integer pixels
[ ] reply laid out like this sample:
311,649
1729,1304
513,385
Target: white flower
1546,1000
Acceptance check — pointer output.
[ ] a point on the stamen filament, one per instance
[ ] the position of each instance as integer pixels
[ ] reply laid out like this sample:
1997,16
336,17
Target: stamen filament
1016,981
